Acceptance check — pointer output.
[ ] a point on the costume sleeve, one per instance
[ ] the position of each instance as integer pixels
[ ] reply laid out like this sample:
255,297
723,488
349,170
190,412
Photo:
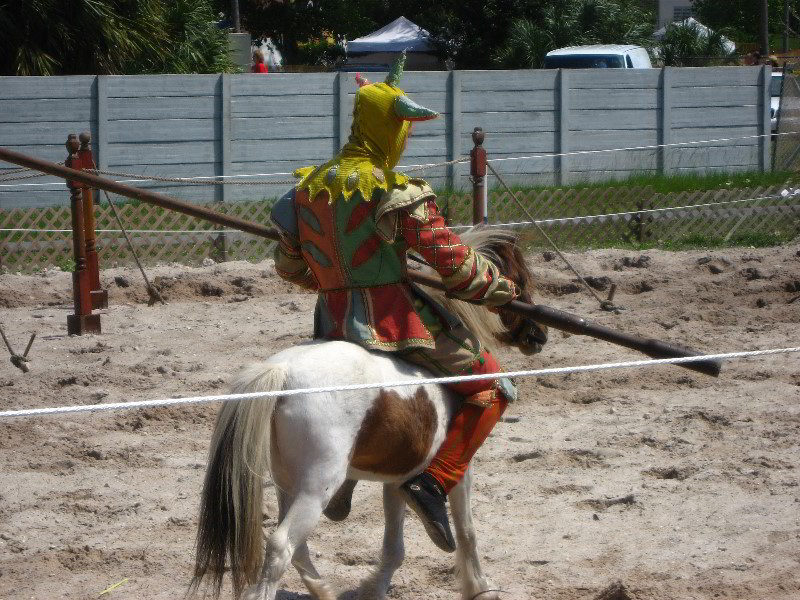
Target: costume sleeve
289,262
466,274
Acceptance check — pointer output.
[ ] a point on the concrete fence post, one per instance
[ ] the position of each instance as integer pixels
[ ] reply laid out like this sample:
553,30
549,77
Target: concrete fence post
101,139
765,125
563,127
665,122
454,126
219,243
342,110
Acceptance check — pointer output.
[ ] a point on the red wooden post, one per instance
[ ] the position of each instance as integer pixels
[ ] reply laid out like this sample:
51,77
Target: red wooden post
477,170
83,321
98,295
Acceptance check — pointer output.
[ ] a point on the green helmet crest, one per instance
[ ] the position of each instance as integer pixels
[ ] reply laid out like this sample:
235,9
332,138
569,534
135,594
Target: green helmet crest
396,72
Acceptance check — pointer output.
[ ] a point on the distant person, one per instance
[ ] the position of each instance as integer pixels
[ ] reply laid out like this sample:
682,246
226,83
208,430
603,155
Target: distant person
259,66
754,58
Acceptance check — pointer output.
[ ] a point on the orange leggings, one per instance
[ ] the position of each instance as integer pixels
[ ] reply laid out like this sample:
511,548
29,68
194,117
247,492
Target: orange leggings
468,430
481,409
459,352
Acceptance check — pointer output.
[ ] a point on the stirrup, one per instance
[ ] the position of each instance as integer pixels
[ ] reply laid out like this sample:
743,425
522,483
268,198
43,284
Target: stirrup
426,498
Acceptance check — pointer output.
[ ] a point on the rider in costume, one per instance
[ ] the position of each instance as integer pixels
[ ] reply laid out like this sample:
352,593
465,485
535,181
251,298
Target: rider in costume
345,230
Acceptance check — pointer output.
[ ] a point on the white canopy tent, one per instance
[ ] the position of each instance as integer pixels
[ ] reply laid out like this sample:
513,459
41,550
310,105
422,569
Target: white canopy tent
702,30
381,47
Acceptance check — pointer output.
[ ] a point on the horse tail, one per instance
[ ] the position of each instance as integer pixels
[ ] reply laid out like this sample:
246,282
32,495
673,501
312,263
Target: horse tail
229,524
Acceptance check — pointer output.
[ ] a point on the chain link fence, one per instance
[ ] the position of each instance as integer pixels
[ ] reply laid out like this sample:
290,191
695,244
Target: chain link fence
575,218
786,150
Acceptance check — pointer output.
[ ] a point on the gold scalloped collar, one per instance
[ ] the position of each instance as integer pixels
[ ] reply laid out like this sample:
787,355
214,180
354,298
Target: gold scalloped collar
345,175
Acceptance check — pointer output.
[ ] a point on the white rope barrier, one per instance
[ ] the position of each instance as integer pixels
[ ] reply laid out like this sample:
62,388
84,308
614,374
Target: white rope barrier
419,167
626,213
173,231
652,147
366,386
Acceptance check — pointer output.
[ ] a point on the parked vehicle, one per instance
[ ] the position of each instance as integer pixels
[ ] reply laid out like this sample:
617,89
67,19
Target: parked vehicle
599,56
775,88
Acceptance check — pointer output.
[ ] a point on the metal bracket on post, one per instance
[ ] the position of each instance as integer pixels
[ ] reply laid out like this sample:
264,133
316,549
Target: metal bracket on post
639,226
83,321
477,171
98,295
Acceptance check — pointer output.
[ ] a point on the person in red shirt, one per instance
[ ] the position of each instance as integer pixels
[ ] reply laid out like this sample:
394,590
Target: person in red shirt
259,66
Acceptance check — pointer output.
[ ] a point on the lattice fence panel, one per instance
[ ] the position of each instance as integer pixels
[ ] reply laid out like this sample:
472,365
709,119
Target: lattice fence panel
573,218
35,241
242,246
596,217
181,238
157,234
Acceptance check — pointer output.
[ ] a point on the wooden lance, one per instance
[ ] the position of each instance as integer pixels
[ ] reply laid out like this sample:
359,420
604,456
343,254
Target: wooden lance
545,315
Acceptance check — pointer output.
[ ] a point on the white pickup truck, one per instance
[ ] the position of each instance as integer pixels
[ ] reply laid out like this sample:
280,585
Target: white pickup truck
599,56
775,88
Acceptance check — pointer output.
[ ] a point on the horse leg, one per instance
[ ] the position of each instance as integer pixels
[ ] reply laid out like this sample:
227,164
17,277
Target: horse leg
301,559
473,582
302,516
392,554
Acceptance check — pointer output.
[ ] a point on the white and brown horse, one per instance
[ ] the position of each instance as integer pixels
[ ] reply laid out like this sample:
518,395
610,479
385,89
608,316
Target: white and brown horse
315,446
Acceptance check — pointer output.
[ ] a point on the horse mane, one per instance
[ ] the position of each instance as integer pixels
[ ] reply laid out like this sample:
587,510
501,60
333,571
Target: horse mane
488,242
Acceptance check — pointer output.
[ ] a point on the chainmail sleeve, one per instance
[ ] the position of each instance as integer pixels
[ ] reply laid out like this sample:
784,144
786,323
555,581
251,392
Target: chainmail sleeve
466,274
289,262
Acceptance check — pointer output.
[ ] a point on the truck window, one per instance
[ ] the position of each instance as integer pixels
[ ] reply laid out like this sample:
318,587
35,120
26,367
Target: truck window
584,61
628,61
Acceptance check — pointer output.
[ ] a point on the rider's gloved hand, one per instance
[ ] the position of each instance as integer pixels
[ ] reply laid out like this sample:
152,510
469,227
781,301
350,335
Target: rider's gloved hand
501,291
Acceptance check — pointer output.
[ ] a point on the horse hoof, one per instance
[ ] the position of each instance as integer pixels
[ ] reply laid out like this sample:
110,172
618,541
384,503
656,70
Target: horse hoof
487,595
339,506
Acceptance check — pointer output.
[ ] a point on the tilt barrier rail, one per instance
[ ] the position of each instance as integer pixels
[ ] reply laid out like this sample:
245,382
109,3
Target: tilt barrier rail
88,295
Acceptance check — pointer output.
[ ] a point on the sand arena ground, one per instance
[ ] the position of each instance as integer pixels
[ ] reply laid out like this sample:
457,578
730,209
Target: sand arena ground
709,468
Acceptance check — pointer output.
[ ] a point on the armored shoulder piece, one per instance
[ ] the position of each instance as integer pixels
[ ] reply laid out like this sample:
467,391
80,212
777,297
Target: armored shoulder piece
283,215
412,197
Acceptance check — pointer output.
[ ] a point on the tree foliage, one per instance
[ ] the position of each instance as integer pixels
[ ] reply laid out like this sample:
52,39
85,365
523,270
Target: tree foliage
741,18
465,30
72,37
574,23
474,33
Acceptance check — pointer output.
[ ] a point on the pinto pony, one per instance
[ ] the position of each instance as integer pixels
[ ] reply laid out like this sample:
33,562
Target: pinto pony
316,446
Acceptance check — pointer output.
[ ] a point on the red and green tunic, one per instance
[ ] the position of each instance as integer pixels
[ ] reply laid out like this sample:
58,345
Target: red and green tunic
353,251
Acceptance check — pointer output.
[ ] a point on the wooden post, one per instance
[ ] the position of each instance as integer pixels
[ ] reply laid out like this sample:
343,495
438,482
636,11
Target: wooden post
83,321
98,295
477,170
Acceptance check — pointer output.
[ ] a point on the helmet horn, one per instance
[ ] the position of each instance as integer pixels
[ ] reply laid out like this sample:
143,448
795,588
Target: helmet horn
408,110
396,72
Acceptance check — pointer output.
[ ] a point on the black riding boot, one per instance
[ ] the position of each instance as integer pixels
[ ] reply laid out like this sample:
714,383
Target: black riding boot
426,498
